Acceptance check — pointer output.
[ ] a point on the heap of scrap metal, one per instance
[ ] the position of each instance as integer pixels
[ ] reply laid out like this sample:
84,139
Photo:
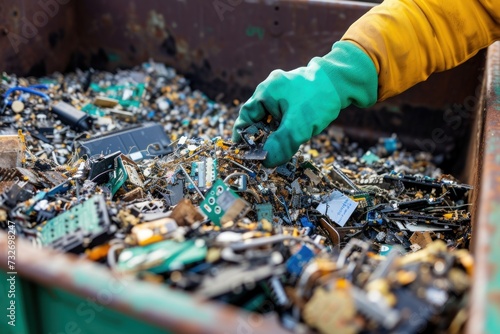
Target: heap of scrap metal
135,170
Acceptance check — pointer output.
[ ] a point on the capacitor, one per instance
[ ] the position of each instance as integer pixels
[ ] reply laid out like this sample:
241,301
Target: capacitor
69,115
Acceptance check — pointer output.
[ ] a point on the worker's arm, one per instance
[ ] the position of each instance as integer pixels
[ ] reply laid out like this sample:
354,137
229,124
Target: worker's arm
408,40
391,48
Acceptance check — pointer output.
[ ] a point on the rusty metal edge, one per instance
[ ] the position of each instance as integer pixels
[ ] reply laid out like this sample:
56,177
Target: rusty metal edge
485,299
154,304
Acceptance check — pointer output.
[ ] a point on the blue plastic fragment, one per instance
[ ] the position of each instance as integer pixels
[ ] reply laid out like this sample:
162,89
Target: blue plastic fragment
369,158
24,90
385,249
373,217
390,144
306,222
298,261
39,86
38,197
59,189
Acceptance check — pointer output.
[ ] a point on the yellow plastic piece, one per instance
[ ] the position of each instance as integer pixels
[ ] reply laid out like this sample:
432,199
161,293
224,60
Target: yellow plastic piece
266,225
342,284
98,252
408,40
314,153
448,216
220,143
150,240
329,160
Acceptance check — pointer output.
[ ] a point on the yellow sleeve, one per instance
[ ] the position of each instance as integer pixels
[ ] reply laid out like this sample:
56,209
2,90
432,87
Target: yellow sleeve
408,40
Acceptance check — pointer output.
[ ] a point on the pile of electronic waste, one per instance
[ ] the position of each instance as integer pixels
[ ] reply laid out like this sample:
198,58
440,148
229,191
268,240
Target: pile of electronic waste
135,170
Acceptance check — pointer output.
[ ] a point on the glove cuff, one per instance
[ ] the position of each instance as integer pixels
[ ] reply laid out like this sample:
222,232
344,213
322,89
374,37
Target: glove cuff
352,73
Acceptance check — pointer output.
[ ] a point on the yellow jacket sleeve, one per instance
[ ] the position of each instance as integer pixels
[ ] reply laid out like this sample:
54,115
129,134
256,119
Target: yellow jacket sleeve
408,40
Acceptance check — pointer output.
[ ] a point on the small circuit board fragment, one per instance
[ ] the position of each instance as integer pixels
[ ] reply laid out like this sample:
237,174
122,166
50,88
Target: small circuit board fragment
222,204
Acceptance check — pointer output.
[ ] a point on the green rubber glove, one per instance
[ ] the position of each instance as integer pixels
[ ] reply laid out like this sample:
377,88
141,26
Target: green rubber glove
306,100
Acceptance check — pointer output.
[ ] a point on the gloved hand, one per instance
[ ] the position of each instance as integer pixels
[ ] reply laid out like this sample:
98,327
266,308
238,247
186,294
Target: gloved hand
306,100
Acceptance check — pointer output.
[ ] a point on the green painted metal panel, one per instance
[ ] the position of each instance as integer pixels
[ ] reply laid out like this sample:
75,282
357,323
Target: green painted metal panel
15,317
43,310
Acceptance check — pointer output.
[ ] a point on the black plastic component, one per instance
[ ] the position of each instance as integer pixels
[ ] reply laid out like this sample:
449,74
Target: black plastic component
19,192
78,120
138,142
416,311
408,181
420,204
99,172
